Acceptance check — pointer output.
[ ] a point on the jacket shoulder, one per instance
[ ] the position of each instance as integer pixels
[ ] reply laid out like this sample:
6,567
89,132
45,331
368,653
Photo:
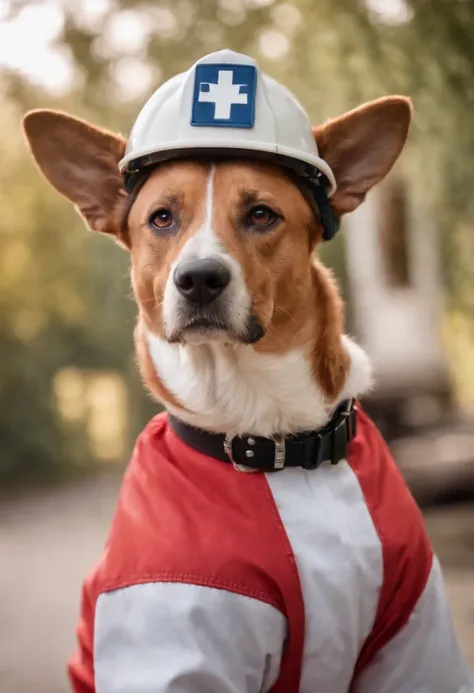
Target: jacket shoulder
396,515
184,517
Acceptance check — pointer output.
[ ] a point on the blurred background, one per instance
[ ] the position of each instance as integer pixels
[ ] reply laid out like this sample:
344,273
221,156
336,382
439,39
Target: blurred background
71,402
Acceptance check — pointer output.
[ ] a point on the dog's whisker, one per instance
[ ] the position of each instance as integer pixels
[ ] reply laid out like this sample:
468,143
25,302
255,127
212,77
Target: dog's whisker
283,310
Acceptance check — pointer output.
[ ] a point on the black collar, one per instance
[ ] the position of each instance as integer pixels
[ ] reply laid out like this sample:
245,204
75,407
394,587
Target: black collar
251,453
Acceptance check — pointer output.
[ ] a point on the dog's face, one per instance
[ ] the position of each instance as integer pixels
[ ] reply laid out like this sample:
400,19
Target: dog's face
216,247
222,251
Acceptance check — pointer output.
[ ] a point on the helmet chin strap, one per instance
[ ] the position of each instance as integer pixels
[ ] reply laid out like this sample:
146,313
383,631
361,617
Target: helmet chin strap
329,221
130,180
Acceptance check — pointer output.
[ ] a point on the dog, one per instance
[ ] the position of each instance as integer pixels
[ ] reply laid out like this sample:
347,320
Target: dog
264,539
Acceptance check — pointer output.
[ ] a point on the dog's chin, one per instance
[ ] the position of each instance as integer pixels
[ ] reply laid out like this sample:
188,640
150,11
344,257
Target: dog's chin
203,331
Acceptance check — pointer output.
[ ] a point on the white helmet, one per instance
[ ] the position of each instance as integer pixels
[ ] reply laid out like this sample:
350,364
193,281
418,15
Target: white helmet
225,104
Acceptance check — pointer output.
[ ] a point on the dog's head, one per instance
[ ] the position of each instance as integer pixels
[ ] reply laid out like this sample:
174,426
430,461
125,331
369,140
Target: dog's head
222,250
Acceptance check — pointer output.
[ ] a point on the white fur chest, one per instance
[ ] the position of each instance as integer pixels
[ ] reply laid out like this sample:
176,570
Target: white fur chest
234,389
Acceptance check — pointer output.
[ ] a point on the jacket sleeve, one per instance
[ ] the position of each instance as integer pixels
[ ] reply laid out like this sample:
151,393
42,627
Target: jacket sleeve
81,666
424,655
170,637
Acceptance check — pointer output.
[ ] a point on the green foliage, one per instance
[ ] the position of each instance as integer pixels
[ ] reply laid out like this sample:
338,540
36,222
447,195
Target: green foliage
61,303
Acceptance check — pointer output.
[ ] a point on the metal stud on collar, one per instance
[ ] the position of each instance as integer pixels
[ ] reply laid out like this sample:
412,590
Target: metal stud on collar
228,451
279,459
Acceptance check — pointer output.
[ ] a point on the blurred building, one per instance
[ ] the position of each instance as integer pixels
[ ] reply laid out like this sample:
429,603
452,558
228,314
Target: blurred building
395,284
396,292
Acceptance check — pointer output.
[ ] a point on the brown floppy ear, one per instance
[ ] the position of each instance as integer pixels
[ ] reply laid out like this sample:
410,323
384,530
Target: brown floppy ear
361,147
81,162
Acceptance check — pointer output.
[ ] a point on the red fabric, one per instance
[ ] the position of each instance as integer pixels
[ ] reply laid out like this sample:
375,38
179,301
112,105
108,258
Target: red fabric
406,549
81,666
184,517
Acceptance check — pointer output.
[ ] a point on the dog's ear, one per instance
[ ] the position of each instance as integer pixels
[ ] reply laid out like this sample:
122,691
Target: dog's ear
81,162
361,147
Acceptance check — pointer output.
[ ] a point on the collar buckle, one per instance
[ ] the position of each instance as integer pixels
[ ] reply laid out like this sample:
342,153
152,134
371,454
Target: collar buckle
228,440
279,455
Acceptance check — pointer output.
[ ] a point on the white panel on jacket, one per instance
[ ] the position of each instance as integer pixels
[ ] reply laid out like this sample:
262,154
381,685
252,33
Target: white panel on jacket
339,557
424,657
180,638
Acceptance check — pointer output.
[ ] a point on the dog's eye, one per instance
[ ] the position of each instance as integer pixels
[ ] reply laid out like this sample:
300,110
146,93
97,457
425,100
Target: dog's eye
261,216
161,219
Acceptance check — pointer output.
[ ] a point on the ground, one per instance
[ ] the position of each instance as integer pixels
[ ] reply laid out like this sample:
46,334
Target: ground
48,541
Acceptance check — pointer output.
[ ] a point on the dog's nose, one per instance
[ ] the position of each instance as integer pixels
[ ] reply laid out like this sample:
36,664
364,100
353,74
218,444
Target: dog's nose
201,281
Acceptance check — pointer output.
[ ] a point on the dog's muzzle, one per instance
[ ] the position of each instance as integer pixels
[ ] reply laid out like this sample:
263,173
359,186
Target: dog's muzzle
206,305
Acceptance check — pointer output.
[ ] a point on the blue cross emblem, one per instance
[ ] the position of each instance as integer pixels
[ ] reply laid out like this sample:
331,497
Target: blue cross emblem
224,96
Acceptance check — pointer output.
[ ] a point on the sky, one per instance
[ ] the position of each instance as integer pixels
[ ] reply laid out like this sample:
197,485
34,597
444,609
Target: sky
27,41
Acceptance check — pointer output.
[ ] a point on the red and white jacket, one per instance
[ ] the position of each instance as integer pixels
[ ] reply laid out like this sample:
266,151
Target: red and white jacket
217,581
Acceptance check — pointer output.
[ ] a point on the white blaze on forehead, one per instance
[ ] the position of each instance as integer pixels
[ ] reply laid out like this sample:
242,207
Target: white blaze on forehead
204,243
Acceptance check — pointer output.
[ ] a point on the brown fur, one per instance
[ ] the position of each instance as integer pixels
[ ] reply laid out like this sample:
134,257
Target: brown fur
361,147
80,161
181,187
293,295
